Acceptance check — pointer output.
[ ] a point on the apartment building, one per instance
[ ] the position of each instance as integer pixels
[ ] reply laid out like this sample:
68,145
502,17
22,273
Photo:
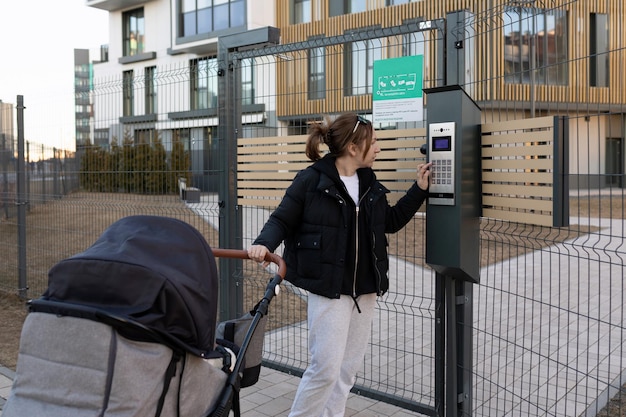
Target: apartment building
160,79
522,59
82,105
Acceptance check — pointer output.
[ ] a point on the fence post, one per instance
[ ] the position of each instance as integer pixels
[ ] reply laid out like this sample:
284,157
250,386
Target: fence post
229,97
28,175
561,173
55,175
5,157
21,201
453,237
42,161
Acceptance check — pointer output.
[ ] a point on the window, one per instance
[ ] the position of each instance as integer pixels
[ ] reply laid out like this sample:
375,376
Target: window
337,8
144,136
356,6
298,127
247,81
317,74
535,46
81,98
599,50
614,162
301,11
360,67
128,93
81,70
205,16
81,82
413,44
133,32
183,136
101,137
203,83
394,2
150,88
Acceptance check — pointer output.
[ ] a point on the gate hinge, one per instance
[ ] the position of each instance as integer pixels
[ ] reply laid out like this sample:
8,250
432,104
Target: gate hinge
462,299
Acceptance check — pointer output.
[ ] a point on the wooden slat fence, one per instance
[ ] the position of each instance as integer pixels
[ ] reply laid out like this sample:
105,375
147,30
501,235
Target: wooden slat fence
520,174
267,165
520,171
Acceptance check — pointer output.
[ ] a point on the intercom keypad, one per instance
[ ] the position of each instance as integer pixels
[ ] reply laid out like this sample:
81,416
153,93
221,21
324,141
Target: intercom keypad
441,154
442,171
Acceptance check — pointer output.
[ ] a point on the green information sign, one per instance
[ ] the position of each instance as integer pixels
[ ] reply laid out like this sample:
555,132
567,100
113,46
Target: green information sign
397,93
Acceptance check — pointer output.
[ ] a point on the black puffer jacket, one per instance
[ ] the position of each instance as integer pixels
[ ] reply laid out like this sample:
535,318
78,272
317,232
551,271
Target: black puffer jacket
316,220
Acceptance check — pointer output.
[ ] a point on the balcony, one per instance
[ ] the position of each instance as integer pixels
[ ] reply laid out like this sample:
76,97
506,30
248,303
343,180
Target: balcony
113,5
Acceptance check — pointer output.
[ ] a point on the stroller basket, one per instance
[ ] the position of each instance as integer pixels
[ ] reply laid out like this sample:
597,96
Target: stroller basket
128,328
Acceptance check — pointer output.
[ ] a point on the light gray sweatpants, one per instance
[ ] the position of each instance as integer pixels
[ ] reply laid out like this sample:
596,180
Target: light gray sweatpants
338,337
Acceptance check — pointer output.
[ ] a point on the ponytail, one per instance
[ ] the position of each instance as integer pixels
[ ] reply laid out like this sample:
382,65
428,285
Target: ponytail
319,132
338,134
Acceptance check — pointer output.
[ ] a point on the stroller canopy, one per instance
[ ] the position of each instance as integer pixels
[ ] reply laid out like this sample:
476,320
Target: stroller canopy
157,271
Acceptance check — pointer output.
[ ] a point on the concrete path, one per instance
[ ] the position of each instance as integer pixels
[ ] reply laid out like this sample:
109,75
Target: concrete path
551,353
271,396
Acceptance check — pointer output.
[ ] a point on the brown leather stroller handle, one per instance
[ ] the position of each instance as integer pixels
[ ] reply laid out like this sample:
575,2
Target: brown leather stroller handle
243,254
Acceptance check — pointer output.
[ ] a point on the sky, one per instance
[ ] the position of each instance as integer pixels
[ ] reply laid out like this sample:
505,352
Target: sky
37,42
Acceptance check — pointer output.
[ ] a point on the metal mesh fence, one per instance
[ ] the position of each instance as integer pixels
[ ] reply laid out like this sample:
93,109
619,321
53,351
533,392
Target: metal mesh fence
548,314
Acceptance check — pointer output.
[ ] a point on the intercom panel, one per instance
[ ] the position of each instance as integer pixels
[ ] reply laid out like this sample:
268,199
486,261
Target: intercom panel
453,209
441,138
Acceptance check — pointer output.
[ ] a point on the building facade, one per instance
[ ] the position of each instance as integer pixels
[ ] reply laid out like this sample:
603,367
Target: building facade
521,59
161,79
82,104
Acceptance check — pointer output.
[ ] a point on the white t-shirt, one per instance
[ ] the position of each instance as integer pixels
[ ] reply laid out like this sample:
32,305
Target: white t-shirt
352,185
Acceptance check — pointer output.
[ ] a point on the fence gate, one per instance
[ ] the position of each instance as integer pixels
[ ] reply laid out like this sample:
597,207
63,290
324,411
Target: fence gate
263,158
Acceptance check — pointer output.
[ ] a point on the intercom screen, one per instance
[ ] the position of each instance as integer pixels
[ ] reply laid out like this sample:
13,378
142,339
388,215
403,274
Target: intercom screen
442,143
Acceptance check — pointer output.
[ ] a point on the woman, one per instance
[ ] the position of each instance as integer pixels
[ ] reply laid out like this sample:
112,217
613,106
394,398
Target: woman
333,219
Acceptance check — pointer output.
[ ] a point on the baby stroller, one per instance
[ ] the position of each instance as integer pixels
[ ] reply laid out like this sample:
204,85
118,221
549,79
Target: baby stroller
128,328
